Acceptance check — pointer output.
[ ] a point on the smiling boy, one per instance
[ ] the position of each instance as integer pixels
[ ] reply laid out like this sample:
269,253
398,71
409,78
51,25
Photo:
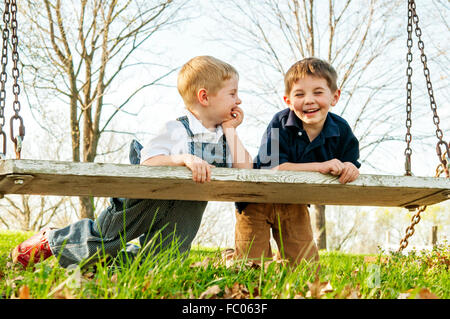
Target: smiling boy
203,138
309,138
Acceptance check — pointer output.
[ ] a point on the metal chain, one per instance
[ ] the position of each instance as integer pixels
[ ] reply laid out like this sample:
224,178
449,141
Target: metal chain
410,229
10,16
409,71
4,76
16,88
416,217
426,72
443,167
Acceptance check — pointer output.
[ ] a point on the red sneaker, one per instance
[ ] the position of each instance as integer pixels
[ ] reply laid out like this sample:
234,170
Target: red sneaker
33,249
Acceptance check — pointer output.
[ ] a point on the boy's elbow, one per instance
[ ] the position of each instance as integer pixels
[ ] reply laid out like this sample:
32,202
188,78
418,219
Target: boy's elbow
279,167
242,165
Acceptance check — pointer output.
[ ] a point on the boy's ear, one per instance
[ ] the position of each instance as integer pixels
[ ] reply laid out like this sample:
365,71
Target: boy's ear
336,97
287,100
202,96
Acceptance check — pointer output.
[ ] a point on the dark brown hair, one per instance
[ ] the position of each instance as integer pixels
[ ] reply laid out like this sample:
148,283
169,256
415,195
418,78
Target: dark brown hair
313,67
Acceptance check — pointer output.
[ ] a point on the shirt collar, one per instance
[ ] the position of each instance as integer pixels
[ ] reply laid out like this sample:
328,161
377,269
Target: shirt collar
293,120
330,128
197,127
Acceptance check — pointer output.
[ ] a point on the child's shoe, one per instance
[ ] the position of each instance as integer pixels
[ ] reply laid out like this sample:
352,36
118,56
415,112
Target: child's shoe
35,247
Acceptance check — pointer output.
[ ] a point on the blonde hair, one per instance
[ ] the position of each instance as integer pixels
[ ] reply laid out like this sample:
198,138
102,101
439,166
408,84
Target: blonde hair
203,72
313,67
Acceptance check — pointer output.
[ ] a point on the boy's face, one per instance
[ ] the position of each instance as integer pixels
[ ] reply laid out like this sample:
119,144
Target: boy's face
310,99
224,101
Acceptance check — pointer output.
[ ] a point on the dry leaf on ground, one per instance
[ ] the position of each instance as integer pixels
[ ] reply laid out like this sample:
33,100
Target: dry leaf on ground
239,291
210,292
24,292
350,293
201,264
376,259
318,289
423,293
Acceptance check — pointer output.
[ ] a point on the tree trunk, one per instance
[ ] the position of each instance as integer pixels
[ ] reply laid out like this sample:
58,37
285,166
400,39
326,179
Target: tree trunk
434,230
319,216
86,208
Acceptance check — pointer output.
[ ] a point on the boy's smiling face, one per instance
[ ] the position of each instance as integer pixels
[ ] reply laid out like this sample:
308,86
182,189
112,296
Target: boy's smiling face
224,101
310,99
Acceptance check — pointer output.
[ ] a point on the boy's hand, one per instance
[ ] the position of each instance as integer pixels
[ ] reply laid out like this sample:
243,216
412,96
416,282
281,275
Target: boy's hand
236,118
349,173
333,167
201,170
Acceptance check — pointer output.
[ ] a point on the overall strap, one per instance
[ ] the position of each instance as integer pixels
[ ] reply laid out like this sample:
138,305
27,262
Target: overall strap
185,121
135,152
224,147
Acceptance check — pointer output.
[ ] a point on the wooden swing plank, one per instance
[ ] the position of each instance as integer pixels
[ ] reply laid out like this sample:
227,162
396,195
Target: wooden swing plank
136,181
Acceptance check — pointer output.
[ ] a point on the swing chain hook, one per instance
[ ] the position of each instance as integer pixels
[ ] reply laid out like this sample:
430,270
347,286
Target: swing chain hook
414,18
410,229
444,157
16,88
3,76
10,20
409,71
416,217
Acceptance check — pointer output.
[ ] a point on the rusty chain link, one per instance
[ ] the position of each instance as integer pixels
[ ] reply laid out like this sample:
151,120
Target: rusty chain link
3,76
10,17
444,165
416,217
16,88
426,72
409,71
410,229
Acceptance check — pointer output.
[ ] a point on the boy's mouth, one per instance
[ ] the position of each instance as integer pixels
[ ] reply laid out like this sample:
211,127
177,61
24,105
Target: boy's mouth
311,111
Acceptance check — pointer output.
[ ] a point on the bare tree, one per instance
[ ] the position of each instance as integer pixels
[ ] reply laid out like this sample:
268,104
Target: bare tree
343,227
29,213
76,51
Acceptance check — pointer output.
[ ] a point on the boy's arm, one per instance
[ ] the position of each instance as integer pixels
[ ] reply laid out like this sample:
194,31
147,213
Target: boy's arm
241,158
346,171
201,170
166,160
334,167
166,149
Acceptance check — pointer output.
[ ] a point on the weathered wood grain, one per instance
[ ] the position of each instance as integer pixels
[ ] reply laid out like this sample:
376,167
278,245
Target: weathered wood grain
135,181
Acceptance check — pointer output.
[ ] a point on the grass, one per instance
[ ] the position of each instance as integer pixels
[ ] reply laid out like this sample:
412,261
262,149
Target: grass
204,274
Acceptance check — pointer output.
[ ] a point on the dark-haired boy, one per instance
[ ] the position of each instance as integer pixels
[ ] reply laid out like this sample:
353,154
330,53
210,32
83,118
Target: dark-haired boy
309,138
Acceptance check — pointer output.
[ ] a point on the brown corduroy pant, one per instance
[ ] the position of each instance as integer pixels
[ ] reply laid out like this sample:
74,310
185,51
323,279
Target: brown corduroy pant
291,229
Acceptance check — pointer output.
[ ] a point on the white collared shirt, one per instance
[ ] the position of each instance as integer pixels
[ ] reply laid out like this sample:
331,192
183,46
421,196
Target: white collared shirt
173,138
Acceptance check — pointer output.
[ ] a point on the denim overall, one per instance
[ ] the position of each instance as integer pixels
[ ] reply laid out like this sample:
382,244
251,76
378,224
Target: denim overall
127,219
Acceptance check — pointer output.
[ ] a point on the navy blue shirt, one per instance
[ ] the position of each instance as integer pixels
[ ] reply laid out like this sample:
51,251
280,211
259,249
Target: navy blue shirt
285,140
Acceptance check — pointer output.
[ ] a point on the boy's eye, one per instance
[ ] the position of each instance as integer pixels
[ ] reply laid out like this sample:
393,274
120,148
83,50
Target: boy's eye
299,94
318,92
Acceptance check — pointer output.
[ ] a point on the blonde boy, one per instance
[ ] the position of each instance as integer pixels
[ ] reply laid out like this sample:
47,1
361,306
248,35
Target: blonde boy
309,138
204,138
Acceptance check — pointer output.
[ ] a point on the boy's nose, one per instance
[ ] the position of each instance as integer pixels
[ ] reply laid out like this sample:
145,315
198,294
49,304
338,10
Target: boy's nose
309,99
239,101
